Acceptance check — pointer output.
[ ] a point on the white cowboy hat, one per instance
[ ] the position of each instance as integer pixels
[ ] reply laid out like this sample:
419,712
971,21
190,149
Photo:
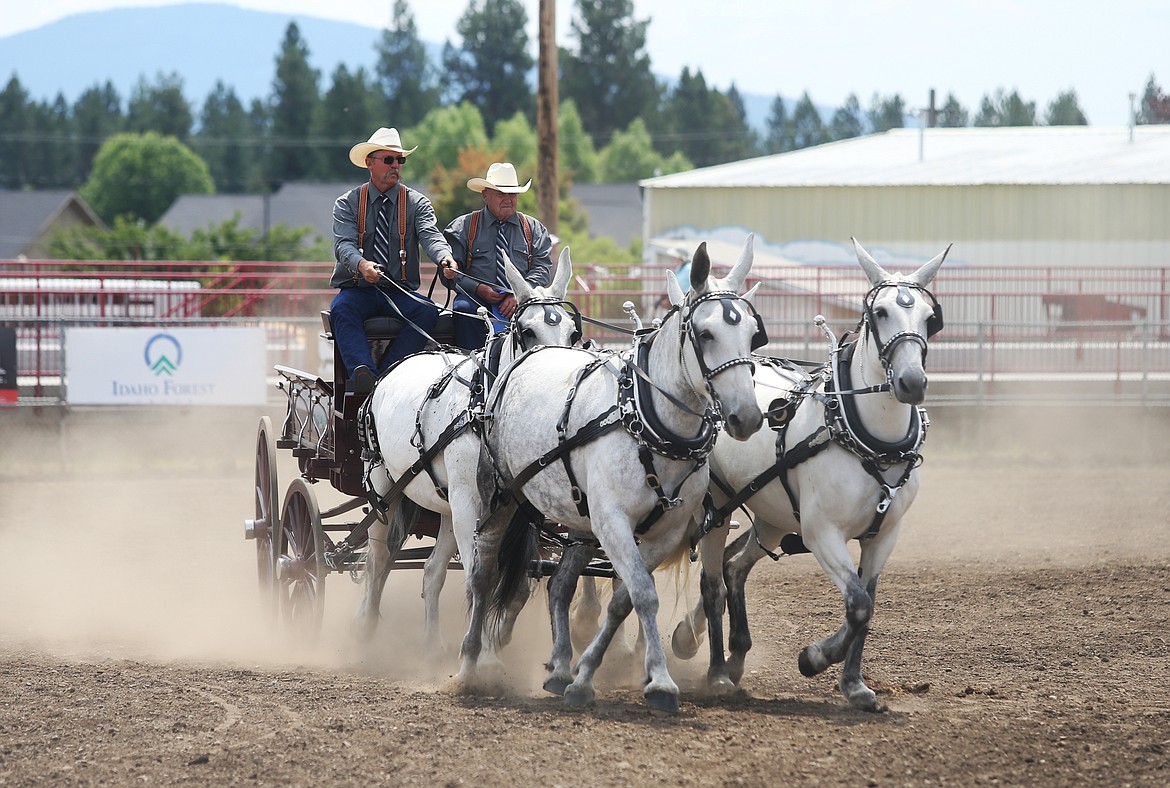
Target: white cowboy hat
382,139
501,176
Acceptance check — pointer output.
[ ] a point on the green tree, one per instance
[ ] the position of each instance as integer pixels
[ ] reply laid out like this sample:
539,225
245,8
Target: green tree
160,107
490,69
887,112
952,115
406,77
1065,111
226,142
53,161
16,136
140,175
780,136
578,157
517,139
1005,109
630,156
709,127
97,116
295,96
608,73
443,133
807,125
350,112
1155,107
847,122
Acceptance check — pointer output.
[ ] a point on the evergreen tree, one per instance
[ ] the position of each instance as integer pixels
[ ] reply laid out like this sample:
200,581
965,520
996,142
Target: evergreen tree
53,161
1005,109
578,158
781,134
1155,107
295,97
226,143
160,107
630,155
1065,111
97,116
16,136
807,126
887,113
952,115
607,74
707,126
490,69
406,76
349,112
847,122
442,134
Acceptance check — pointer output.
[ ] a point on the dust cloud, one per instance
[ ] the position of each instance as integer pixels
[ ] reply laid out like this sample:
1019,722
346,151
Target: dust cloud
121,535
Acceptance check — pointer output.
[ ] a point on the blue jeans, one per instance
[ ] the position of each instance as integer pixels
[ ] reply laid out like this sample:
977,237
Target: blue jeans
353,306
470,332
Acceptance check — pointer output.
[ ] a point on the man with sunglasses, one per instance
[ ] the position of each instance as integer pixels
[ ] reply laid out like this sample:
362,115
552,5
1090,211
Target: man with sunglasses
377,230
483,239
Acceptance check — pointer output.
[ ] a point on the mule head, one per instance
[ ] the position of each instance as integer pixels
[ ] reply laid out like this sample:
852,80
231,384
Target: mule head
542,316
900,315
724,330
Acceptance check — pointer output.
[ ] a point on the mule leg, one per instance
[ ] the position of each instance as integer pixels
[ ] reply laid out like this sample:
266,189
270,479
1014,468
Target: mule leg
637,590
378,562
560,593
738,560
584,612
853,686
484,576
434,576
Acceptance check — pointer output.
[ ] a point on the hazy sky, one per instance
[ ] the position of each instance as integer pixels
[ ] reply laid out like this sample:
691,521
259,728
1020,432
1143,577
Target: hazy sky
831,48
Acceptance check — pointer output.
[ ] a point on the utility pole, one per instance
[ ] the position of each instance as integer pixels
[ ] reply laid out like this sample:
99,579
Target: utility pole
546,117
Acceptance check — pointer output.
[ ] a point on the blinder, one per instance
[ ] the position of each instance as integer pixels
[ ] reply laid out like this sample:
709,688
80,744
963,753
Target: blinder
760,338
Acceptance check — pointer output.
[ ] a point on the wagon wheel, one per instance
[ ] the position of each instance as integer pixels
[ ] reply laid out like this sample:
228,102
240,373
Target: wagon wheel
300,561
267,509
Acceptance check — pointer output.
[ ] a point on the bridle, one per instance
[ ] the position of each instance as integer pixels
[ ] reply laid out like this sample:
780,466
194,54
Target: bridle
731,316
552,317
905,299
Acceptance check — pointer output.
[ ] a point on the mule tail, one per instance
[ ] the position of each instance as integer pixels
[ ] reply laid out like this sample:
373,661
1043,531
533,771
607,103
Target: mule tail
518,549
403,519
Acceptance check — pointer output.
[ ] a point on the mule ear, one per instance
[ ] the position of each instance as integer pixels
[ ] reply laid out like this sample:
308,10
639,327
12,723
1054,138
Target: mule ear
673,289
738,273
520,287
750,294
563,276
700,269
923,276
874,272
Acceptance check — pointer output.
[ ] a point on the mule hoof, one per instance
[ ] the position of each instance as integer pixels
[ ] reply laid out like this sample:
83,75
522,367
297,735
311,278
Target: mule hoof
578,696
735,668
660,700
720,685
811,661
863,698
683,643
556,685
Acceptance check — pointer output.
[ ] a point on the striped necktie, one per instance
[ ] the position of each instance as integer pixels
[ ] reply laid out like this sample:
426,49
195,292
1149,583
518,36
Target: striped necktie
501,254
382,231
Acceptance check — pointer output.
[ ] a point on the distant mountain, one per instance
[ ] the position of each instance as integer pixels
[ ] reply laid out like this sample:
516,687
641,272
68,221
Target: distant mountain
203,43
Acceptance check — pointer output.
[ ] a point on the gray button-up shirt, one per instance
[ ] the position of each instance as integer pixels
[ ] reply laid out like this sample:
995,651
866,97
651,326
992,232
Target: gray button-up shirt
483,252
421,228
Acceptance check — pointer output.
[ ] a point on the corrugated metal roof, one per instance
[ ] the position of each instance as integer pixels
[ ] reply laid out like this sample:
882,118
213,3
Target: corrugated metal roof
1035,155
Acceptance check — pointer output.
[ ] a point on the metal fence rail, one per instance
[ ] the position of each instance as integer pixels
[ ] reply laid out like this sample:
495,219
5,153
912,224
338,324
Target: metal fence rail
1011,333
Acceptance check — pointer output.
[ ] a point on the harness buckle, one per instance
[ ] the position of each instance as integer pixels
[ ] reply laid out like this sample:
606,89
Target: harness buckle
575,495
671,503
888,494
653,481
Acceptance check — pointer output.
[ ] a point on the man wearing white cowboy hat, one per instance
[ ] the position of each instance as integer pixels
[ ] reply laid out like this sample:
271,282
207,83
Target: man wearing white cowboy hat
377,230
480,239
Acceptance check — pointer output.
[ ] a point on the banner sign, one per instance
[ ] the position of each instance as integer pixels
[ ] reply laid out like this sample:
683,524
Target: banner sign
8,390
167,366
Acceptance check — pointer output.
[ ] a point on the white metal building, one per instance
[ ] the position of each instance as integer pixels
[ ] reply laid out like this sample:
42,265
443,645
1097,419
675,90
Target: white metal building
1027,196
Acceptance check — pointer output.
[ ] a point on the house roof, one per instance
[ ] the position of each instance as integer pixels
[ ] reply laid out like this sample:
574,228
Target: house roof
27,216
1065,155
615,209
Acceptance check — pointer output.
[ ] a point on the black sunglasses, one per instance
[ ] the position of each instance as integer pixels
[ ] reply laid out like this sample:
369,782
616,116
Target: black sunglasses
389,159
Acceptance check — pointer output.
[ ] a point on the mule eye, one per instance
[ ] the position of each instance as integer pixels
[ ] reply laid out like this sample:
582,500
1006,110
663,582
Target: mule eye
881,313
706,336
528,333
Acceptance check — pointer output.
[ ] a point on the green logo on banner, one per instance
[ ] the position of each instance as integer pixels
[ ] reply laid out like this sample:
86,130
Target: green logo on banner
159,351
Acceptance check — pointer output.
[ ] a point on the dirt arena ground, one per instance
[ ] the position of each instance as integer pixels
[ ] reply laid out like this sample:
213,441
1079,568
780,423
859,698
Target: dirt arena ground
1020,636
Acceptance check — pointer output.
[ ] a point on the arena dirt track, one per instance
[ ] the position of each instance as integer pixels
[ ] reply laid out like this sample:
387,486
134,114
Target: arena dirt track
1020,635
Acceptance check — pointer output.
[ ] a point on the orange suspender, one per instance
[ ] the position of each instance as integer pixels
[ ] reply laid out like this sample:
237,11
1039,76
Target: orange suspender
474,225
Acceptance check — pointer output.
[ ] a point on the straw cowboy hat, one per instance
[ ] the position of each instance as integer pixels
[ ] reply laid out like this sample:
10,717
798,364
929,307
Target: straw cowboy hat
501,176
382,139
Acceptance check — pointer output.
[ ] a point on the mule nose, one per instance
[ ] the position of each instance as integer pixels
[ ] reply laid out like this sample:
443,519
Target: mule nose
742,426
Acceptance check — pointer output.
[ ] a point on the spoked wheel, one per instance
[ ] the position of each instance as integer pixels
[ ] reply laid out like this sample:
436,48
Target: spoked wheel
267,511
300,562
